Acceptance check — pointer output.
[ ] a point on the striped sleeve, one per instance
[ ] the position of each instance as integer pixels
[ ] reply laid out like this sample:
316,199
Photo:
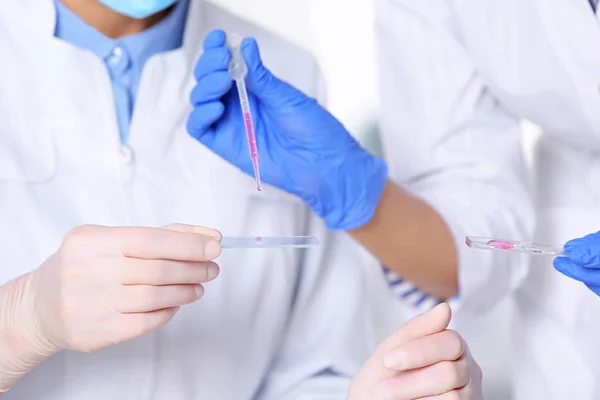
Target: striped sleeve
408,293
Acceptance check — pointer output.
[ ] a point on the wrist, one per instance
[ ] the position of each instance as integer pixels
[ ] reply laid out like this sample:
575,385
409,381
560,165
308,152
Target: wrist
354,192
28,317
22,346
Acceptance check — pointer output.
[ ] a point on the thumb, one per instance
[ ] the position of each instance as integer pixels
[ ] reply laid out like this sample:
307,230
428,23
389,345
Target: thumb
584,254
263,84
199,230
374,372
433,321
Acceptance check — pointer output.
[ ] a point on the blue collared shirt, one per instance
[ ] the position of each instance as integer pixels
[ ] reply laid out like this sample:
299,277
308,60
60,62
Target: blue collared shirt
124,57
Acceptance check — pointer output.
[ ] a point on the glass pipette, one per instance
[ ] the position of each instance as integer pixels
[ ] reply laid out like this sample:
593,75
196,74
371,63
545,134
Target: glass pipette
257,242
540,249
238,71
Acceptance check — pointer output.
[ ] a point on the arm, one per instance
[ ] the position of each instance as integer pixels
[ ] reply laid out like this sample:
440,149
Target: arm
455,155
384,231
397,233
327,334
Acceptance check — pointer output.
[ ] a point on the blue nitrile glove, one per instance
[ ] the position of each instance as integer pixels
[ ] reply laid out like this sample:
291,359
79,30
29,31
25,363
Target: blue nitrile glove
303,149
582,261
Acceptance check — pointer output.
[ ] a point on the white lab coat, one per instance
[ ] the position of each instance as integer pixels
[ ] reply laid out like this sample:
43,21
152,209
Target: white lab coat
458,76
276,324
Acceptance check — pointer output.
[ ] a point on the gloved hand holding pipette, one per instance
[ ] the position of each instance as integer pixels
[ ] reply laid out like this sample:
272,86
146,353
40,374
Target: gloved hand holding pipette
581,261
303,149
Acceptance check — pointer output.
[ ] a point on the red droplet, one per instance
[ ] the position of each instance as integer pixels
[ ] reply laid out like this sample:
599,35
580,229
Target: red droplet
258,238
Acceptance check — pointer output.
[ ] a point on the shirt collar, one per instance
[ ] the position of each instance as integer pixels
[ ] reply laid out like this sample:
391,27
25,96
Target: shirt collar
164,36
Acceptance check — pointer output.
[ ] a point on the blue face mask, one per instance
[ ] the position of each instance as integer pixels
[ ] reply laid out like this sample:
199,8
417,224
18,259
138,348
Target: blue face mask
138,9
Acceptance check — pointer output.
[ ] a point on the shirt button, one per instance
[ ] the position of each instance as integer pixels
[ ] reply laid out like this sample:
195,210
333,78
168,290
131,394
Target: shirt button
126,154
115,55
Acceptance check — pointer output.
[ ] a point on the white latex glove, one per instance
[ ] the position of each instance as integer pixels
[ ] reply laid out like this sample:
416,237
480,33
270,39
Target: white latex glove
423,360
105,285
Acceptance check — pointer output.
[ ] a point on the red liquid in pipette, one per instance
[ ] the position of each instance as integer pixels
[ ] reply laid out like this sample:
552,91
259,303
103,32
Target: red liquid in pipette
252,146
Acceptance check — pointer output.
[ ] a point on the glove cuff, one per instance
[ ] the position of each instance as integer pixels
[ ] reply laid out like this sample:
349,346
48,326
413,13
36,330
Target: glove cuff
22,347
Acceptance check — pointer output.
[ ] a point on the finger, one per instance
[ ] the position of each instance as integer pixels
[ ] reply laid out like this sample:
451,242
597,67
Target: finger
564,265
586,254
572,270
422,352
211,88
202,230
134,271
145,298
458,394
261,82
472,390
131,326
213,60
429,381
215,38
434,321
163,244
202,118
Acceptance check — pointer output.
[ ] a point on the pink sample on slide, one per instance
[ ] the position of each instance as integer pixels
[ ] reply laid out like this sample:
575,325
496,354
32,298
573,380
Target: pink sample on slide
497,244
540,249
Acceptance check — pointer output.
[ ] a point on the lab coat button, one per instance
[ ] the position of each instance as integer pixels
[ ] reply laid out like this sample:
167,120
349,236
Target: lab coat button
126,154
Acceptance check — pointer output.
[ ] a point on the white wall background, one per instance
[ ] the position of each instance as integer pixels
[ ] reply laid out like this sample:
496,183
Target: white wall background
340,33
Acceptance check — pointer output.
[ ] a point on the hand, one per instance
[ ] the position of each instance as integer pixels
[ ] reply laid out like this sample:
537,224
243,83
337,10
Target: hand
582,261
303,149
422,361
108,285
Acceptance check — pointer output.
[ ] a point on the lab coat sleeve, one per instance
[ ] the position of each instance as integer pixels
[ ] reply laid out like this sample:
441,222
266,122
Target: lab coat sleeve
451,143
328,336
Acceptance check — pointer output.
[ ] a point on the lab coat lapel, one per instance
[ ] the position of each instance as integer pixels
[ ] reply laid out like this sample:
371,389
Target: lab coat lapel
59,73
566,23
574,32
195,30
163,104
